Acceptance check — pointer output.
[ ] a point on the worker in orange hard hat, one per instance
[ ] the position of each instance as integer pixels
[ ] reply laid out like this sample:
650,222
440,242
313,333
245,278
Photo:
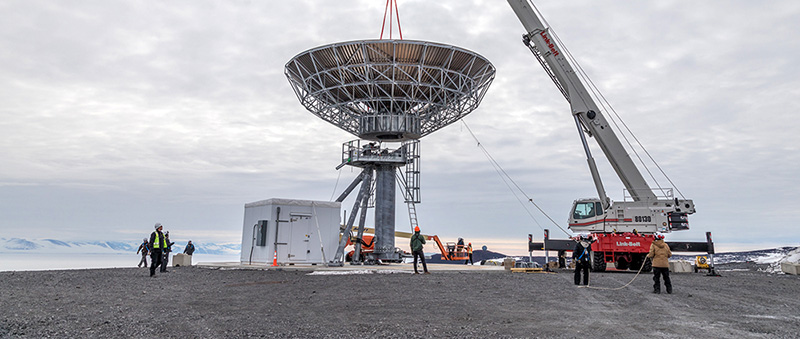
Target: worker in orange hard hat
469,252
417,240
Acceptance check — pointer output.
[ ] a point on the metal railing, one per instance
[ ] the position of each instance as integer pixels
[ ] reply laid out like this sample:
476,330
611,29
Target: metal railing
661,193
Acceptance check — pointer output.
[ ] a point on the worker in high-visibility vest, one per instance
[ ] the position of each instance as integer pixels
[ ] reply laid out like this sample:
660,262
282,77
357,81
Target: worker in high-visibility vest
157,245
469,252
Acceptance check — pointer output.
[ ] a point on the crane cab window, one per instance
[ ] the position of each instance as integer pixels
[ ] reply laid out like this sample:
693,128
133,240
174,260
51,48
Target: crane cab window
584,210
598,208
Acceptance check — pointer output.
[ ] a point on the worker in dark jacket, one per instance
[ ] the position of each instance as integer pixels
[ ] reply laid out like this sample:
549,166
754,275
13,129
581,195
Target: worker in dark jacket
157,245
166,251
660,253
189,248
144,248
417,240
582,256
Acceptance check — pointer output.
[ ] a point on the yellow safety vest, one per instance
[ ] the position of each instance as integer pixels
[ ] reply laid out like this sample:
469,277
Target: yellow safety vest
157,243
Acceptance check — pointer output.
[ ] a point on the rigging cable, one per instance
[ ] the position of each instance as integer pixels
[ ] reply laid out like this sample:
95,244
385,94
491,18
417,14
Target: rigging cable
503,174
337,183
604,102
388,9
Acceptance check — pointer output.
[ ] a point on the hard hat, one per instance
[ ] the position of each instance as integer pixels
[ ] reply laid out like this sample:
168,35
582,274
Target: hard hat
158,224
416,229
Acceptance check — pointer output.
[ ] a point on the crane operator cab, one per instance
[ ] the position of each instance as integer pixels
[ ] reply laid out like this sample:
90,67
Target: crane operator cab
587,215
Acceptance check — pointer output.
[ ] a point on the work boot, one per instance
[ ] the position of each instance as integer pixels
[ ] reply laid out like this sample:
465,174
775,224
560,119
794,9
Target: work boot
669,289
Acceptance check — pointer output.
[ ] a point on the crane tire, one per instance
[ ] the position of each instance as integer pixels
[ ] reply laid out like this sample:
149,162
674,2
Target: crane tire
598,262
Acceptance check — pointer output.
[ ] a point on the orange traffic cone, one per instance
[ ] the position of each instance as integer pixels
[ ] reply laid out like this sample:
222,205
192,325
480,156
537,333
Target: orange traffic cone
275,259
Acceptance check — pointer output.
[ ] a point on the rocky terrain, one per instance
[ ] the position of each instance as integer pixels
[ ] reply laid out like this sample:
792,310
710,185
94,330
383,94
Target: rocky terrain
289,303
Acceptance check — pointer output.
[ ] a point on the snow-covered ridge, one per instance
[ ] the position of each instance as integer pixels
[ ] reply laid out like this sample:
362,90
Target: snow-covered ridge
18,245
767,256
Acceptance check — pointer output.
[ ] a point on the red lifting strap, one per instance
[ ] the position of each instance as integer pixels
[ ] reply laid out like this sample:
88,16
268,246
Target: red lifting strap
388,9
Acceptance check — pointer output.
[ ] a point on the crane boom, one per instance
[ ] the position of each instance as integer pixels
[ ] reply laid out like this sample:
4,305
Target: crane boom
584,109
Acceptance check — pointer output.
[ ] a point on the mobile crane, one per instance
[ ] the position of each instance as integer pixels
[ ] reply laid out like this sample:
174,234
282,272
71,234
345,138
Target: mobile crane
622,230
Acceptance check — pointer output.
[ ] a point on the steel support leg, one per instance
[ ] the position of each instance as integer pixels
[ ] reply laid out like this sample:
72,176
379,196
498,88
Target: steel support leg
363,193
384,212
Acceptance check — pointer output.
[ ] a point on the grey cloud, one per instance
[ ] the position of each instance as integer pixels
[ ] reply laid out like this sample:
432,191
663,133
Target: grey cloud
179,111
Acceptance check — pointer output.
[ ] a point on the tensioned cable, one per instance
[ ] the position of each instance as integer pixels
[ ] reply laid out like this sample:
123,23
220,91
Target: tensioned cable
503,174
604,102
388,9
583,75
337,183
607,107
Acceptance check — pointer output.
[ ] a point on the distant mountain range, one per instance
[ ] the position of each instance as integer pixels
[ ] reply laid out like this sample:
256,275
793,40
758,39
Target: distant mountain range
477,256
17,245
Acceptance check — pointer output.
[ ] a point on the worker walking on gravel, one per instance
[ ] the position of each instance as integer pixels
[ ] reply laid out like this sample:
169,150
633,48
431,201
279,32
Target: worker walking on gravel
166,251
469,253
660,252
582,256
189,248
417,240
157,245
144,248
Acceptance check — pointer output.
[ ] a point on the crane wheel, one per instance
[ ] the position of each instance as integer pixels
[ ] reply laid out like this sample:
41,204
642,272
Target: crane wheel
598,262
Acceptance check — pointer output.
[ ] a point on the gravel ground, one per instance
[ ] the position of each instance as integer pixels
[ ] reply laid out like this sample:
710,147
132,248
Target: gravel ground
201,302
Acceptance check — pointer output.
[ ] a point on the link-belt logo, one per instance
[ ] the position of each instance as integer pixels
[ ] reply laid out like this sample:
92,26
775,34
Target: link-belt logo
628,243
549,43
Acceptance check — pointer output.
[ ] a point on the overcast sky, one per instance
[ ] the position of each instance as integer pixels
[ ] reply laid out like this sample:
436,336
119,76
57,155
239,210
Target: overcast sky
115,115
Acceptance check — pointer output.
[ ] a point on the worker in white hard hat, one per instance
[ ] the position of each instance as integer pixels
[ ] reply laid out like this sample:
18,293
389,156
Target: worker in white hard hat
157,245
582,255
144,248
660,253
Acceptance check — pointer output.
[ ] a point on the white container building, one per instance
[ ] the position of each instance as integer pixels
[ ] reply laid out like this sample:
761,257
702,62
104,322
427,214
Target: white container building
302,231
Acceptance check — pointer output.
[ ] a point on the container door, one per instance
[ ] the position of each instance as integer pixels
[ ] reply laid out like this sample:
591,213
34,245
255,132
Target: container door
299,245
284,237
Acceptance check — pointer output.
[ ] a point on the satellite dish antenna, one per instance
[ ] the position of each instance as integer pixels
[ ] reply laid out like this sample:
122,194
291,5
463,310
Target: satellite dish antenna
387,91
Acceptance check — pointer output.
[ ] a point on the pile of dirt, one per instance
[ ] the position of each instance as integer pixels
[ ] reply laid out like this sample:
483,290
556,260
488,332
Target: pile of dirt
197,302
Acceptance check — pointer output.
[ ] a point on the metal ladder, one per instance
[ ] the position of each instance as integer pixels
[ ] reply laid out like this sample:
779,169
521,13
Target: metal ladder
410,180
